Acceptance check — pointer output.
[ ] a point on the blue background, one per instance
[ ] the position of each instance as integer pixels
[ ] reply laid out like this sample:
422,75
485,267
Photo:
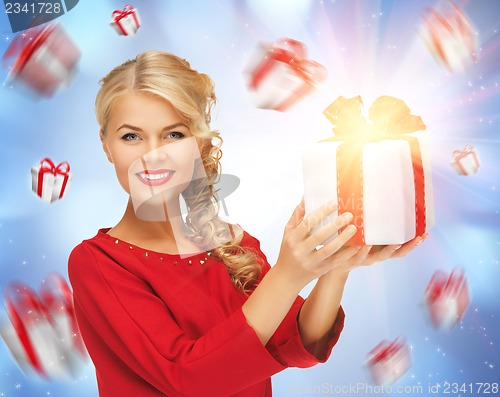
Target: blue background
370,48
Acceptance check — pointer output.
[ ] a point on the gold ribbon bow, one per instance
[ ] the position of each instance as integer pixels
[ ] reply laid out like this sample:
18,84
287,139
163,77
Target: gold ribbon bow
388,116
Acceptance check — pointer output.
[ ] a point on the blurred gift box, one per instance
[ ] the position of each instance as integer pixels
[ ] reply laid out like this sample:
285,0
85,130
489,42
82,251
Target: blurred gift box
449,37
279,75
45,59
446,299
41,332
389,361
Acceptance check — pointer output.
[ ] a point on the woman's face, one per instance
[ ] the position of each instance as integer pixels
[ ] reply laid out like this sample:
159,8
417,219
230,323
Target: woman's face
151,147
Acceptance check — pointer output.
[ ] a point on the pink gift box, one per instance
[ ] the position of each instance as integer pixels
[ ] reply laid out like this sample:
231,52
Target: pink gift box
388,361
465,162
50,182
43,62
449,37
446,299
280,74
126,22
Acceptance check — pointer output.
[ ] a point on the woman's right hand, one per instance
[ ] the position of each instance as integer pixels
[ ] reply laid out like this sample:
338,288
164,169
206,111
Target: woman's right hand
299,260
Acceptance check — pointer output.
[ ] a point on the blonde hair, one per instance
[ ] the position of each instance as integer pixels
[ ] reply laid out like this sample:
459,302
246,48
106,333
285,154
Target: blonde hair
192,94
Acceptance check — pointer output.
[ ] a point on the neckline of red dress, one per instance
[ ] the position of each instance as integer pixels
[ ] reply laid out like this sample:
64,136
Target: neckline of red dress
103,233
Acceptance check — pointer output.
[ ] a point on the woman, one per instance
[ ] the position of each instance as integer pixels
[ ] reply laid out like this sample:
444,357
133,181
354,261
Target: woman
174,307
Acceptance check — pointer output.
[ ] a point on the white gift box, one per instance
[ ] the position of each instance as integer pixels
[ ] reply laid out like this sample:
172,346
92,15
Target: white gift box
384,180
465,162
388,361
446,299
50,182
279,74
126,22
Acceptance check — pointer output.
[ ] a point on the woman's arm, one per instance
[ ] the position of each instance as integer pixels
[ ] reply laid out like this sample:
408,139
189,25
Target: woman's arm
298,264
319,312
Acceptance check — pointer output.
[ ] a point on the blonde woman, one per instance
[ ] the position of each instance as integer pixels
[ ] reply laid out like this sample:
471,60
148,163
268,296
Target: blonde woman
175,307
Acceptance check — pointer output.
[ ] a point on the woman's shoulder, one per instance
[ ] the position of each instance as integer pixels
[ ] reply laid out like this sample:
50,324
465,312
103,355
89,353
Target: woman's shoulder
89,249
247,239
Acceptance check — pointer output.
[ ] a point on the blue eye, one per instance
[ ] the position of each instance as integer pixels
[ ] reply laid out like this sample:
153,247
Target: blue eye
175,135
130,136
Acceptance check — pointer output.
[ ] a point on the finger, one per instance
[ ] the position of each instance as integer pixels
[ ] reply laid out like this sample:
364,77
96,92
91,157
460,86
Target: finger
361,256
314,218
342,256
297,215
336,243
410,246
385,253
323,234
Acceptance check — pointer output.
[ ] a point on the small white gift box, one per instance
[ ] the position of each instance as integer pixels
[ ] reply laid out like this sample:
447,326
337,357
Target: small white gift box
465,162
50,182
126,22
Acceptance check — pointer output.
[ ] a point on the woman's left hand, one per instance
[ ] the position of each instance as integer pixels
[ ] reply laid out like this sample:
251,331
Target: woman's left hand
368,255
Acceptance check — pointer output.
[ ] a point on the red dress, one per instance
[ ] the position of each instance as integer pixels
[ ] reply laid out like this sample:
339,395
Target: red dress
158,325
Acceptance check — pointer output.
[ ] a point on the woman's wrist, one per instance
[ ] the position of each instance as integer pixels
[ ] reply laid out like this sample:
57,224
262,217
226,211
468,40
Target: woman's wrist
286,277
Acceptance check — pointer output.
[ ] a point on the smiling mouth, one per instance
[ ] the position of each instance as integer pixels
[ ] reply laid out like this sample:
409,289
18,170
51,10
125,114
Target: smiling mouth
155,177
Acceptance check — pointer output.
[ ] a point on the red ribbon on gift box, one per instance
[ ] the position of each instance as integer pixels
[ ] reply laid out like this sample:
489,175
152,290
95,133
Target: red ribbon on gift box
120,14
391,119
47,165
385,350
55,291
30,303
459,155
294,54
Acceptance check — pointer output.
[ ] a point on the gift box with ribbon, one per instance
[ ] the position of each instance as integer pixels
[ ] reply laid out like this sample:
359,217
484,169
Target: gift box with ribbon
449,37
57,297
126,22
446,299
388,361
466,161
50,182
280,74
41,333
378,171
45,59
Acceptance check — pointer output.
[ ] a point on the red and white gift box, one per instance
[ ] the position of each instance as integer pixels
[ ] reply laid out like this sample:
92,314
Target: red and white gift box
42,334
45,59
126,22
449,37
280,74
57,297
388,361
446,299
30,336
379,172
50,182
465,162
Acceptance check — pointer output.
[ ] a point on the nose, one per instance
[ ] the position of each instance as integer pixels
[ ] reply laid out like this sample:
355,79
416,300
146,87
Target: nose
155,156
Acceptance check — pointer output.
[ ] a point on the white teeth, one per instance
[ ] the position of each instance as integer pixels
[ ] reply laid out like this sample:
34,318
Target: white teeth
154,177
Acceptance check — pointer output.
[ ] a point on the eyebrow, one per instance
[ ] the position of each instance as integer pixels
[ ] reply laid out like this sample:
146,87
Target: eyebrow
168,128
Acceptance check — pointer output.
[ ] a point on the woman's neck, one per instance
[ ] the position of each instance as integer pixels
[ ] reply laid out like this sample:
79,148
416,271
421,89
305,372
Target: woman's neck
158,228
